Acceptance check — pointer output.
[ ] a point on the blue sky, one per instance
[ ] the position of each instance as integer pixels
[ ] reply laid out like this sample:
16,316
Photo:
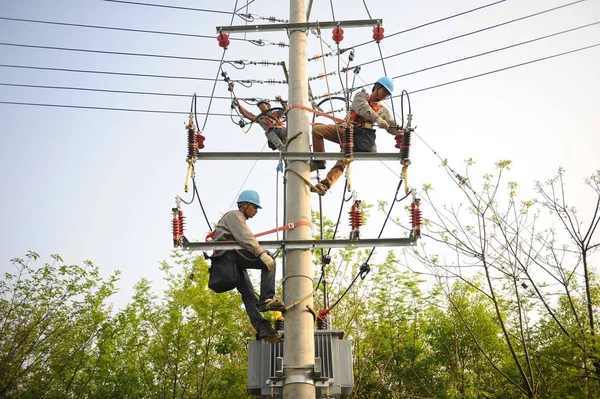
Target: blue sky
99,185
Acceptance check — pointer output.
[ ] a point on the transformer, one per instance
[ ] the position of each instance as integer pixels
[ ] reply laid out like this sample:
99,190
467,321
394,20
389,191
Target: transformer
332,376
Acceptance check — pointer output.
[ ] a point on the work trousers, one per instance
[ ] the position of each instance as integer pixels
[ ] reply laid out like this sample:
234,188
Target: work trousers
277,138
245,260
330,133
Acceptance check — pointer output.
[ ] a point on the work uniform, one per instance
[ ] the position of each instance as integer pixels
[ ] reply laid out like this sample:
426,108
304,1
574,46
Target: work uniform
272,123
364,114
233,227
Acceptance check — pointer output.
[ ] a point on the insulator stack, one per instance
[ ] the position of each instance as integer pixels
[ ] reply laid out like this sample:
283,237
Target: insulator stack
355,220
348,145
200,141
176,228
405,147
223,39
338,35
399,138
322,319
192,143
416,218
321,324
378,33
181,224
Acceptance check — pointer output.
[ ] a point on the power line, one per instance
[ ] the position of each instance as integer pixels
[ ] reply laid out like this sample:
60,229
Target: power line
145,93
506,68
436,21
37,21
103,72
227,115
497,50
109,52
151,111
471,33
169,6
224,98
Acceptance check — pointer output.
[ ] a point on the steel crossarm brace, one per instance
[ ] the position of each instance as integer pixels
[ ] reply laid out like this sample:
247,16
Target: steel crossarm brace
353,23
298,156
305,244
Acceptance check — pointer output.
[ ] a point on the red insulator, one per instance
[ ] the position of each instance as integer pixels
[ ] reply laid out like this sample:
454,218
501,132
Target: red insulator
338,35
416,218
181,224
223,39
200,140
399,138
355,220
348,144
378,33
192,143
176,228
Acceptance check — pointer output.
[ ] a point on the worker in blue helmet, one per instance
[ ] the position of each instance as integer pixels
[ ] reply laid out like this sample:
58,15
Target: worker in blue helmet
233,227
365,112
272,121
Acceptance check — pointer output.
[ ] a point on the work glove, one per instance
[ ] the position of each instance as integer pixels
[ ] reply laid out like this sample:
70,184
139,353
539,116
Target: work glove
382,123
278,98
395,130
267,260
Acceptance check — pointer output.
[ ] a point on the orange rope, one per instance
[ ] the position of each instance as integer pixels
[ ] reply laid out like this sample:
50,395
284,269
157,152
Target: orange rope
323,114
288,226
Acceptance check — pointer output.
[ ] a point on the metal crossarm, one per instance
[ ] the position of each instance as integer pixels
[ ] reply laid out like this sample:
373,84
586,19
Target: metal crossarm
305,244
298,156
300,25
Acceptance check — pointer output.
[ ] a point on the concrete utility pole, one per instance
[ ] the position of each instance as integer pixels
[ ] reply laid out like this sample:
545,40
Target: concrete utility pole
299,344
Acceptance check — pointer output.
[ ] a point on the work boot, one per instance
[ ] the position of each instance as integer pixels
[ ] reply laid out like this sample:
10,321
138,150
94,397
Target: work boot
270,305
320,188
314,165
270,335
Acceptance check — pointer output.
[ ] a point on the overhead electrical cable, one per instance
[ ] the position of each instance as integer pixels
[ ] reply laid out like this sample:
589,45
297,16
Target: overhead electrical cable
142,75
170,6
497,50
113,28
436,21
81,50
472,32
145,93
152,111
411,92
506,68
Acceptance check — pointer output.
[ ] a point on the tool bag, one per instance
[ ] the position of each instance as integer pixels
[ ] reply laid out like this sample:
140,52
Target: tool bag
223,273
364,140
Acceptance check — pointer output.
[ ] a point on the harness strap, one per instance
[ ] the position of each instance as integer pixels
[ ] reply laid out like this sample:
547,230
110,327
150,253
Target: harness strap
288,226
323,114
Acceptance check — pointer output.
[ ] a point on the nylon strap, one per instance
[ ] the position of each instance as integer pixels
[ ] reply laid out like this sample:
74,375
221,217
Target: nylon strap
323,114
288,226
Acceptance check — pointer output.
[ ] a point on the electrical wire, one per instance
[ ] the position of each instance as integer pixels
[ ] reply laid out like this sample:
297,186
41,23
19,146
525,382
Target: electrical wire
498,49
156,32
228,115
151,111
171,7
102,72
437,21
506,68
475,31
145,93
173,57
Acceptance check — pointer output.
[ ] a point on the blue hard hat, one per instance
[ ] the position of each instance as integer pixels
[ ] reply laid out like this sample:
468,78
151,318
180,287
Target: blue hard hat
250,196
386,82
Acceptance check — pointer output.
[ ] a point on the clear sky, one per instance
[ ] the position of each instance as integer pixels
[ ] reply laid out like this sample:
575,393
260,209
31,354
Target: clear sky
99,185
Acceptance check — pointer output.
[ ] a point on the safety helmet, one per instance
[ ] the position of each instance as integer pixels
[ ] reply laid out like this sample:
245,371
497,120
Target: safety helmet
250,196
386,82
263,101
